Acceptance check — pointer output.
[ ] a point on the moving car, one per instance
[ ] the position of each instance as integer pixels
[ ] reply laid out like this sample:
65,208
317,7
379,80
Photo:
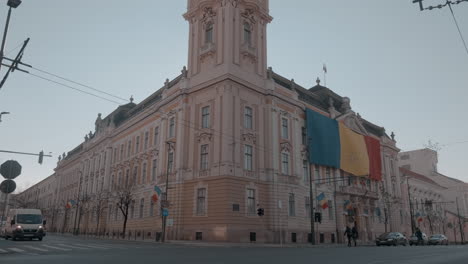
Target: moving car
437,239
414,240
24,223
391,239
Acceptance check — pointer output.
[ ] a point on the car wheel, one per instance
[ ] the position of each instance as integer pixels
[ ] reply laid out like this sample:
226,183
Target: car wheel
40,238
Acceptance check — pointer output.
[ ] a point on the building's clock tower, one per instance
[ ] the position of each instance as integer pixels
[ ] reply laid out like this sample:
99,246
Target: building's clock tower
227,38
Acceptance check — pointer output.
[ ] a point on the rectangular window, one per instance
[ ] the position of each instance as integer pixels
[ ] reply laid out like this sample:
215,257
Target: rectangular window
153,170
292,205
206,117
330,210
129,148
204,157
171,127
317,176
151,211
110,211
248,118
248,34
251,201
201,202
121,152
135,175
305,170
304,136
114,159
127,176
328,175
248,157
143,173
285,163
137,145
156,136
146,139
170,161
307,207
284,128
142,207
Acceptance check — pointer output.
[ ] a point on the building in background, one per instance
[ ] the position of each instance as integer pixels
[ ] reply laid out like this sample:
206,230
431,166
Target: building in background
230,136
454,192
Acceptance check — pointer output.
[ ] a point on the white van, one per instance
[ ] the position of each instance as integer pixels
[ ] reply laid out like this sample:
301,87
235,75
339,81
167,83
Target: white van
24,223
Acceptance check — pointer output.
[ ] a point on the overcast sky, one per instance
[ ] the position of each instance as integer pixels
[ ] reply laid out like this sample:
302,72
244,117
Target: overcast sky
403,69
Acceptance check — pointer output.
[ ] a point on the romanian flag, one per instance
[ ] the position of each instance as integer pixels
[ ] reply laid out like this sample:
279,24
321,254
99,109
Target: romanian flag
348,205
155,197
68,205
322,201
332,144
419,217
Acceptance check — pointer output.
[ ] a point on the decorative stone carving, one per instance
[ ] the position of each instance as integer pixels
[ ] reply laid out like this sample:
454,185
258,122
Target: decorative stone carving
346,107
204,136
286,146
249,15
249,137
234,3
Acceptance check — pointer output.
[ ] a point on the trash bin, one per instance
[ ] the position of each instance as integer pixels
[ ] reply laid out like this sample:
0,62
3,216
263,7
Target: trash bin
158,236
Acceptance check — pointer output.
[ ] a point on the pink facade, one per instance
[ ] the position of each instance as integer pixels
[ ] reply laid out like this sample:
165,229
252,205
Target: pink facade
230,132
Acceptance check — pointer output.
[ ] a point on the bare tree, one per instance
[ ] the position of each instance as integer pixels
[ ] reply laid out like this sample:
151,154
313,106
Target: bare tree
124,195
84,207
22,202
100,205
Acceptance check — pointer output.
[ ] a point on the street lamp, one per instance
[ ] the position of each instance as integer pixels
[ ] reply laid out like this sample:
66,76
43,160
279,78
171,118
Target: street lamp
14,3
3,113
11,4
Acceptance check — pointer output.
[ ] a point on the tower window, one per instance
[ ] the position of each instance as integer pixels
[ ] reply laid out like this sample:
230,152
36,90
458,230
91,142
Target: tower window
247,34
209,33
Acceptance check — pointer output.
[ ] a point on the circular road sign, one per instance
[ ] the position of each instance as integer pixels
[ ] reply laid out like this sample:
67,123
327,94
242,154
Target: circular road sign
8,186
10,169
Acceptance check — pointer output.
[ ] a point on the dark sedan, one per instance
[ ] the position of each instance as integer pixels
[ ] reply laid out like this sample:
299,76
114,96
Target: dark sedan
391,239
437,240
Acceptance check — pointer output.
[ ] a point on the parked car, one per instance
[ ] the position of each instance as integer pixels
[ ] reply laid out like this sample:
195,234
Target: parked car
437,239
391,239
414,240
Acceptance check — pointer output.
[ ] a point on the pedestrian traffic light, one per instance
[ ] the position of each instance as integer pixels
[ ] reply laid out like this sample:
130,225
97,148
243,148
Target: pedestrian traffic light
260,211
318,217
41,157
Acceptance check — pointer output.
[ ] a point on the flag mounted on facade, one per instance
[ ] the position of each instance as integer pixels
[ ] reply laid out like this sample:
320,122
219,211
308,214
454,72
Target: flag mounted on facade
322,201
157,190
154,198
332,144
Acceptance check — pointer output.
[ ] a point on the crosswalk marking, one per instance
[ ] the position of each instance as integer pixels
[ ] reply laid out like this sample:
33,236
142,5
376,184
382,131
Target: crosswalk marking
70,246
52,247
92,246
3,251
36,248
16,250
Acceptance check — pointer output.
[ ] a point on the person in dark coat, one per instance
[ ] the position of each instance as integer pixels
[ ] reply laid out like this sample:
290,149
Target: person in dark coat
349,234
354,234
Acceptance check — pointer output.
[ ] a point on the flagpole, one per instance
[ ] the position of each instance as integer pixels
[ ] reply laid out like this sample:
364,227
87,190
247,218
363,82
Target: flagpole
324,75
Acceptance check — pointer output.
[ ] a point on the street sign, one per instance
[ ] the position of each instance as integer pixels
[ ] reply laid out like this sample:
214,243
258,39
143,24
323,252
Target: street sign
8,186
10,169
165,212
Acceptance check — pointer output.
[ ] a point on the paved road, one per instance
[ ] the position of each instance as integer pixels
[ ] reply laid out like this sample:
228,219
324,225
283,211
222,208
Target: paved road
71,250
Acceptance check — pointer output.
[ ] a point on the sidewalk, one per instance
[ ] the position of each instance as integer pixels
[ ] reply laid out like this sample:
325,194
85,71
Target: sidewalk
216,244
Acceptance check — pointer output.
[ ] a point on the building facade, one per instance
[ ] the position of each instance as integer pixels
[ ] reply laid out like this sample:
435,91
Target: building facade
228,136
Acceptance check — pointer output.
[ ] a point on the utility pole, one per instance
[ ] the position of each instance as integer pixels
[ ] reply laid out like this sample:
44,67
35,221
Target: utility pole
170,159
11,4
462,235
312,220
410,206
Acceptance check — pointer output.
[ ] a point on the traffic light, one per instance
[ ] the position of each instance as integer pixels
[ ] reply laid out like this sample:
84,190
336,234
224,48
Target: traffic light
41,157
318,217
260,211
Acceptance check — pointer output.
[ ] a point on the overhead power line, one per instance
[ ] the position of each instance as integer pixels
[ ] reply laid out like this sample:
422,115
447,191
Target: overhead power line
74,88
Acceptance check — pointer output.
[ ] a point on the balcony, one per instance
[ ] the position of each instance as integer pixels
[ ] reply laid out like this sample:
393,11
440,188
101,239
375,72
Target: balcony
356,191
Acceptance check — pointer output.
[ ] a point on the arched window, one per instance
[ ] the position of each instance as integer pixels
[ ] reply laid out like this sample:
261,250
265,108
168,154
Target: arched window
247,34
209,33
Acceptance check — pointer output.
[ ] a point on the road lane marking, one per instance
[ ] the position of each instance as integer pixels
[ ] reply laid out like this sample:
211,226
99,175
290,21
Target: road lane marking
52,247
36,248
16,250
70,246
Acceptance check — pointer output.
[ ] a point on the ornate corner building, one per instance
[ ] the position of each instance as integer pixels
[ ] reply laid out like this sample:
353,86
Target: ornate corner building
229,136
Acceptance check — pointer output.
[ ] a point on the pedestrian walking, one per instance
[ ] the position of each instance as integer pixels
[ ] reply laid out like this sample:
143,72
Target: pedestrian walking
349,234
354,234
419,235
